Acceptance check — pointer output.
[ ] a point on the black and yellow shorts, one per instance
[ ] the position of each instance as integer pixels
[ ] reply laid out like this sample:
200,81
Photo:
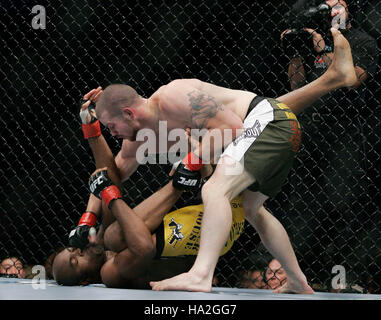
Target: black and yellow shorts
267,146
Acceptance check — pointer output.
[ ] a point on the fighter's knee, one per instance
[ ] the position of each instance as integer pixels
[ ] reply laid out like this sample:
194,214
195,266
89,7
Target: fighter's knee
247,208
212,190
254,212
207,190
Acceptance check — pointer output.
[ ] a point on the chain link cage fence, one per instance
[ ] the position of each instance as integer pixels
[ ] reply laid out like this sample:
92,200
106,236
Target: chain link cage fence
330,204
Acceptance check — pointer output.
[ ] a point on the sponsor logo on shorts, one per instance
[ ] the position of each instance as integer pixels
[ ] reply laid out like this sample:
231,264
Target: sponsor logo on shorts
176,235
252,132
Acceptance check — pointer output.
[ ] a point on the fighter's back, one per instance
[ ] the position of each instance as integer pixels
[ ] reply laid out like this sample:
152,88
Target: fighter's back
195,93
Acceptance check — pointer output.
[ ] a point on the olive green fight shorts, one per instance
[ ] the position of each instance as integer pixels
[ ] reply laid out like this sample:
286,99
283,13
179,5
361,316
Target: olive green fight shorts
268,144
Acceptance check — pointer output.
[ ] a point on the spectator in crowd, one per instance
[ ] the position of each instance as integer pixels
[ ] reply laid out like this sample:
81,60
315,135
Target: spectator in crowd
275,275
216,281
12,267
253,279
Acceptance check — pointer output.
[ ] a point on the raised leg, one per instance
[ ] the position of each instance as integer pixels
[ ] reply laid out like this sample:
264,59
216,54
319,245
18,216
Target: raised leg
341,73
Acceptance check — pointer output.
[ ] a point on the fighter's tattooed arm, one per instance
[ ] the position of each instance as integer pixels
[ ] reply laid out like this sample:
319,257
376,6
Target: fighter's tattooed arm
204,107
223,124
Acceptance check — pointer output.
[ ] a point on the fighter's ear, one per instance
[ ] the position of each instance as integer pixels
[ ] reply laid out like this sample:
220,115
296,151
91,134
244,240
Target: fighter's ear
128,113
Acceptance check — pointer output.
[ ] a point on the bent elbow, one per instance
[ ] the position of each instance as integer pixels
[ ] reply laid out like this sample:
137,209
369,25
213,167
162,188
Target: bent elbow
146,250
110,276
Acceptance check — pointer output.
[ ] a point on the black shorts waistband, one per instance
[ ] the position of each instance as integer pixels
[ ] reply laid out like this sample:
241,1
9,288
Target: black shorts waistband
254,103
159,240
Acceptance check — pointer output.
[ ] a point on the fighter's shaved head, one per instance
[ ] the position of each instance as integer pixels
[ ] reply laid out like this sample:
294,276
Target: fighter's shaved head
114,98
74,266
63,273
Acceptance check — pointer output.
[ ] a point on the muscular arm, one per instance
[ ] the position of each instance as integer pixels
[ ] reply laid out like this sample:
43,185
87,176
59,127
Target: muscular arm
132,262
103,158
135,232
152,211
126,159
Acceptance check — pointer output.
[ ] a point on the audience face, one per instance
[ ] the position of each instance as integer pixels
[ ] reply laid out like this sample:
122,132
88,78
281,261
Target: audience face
253,279
256,280
215,281
275,274
12,266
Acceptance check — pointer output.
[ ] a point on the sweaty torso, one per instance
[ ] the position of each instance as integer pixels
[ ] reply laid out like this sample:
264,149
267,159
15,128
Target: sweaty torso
188,104
202,98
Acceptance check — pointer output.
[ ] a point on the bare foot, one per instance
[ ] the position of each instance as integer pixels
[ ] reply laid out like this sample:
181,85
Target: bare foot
183,282
300,287
342,68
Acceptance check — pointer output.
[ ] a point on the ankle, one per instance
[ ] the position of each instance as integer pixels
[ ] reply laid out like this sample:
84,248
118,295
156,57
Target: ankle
297,278
202,273
332,80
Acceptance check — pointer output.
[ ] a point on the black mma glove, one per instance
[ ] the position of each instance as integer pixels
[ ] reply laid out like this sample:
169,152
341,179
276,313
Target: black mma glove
78,237
102,187
187,175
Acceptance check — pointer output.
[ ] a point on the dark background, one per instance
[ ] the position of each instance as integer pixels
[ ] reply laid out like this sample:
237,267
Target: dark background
45,162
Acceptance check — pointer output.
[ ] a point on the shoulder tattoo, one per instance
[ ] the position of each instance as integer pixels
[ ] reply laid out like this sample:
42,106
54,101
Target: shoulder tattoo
204,107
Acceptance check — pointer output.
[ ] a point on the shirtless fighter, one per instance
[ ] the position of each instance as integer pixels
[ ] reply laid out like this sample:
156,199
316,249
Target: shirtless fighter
266,155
